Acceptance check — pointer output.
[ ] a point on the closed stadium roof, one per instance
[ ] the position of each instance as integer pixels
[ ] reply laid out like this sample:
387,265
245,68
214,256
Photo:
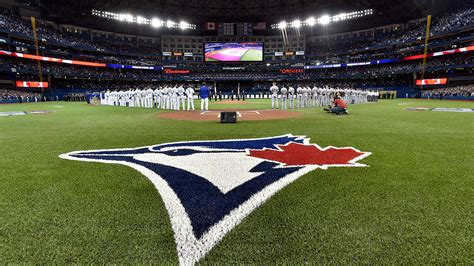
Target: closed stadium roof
242,10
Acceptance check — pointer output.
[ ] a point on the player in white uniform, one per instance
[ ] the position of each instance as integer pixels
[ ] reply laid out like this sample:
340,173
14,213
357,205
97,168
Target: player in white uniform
174,98
314,96
148,98
106,97
136,98
299,97
274,94
306,93
291,97
166,96
156,98
284,96
190,97
181,97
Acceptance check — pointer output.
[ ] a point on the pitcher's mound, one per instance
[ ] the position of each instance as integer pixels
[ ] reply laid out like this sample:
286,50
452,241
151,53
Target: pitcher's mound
244,115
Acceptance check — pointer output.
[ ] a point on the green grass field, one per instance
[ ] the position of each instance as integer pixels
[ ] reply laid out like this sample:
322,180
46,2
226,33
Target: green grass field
252,55
413,205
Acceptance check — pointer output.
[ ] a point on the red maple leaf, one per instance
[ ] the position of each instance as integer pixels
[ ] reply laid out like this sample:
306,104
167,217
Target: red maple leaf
310,154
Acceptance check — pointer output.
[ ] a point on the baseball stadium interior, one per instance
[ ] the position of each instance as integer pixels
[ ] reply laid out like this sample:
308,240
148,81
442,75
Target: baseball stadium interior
390,83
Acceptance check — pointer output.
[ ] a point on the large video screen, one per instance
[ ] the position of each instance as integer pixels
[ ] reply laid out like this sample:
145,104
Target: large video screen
233,52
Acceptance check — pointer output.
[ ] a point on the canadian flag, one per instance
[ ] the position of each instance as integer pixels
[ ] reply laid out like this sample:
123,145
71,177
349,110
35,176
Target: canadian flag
210,26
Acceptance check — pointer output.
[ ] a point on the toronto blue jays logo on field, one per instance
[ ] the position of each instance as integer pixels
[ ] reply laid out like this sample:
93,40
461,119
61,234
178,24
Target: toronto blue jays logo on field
209,187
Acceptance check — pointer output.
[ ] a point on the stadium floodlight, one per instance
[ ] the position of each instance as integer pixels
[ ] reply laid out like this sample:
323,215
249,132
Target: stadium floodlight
324,20
156,23
296,24
311,21
282,25
183,25
142,20
125,17
170,24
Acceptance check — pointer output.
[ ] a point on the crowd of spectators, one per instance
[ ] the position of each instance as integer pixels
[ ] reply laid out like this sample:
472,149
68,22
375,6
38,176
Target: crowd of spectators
11,22
18,96
55,70
413,31
460,90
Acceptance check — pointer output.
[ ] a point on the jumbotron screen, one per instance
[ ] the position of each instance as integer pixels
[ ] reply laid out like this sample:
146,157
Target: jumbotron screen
233,52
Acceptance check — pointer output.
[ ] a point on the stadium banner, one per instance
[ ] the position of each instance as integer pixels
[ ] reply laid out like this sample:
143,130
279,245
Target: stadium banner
375,62
447,52
31,84
51,59
299,52
74,62
438,81
166,53
135,67
278,53
177,71
292,70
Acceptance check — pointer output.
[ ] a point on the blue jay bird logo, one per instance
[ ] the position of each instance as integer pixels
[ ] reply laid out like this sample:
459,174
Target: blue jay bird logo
209,187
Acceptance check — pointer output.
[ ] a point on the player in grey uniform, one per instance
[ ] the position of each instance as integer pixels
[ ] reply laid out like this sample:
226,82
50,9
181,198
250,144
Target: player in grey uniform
291,97
284,95
306,92
181,98
299,97
274,94
163,97
190,97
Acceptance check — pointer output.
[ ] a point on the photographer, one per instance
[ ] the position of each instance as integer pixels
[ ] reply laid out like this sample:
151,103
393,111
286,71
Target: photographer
338,107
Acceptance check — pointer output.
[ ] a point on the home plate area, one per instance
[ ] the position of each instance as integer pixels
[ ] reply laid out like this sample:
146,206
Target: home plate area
242,115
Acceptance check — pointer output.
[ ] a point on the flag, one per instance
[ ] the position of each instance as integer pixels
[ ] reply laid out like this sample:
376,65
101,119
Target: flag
210,26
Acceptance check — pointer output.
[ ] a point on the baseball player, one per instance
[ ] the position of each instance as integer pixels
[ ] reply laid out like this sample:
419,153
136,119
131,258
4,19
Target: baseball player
314,97
291,97
167,94
274,94
181,97
204,93
163,97
149,98
284,95
299,97
306,92
156,98
190,97
174,98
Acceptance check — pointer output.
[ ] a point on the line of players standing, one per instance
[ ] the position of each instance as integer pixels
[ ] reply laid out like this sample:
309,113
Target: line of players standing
305,96
168,97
